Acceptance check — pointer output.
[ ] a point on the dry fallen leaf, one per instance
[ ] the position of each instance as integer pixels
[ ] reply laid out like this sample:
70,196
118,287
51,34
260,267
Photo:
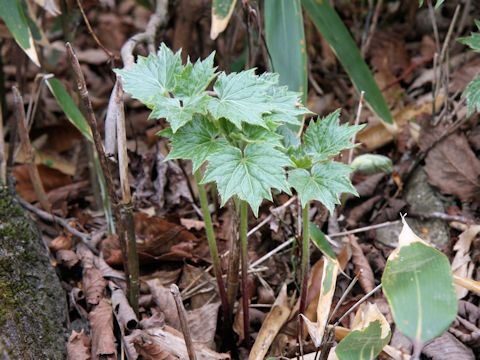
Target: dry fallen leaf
447,347
61,242
123,311
202,323
93,284
362,266
272,324
101,323
165,302
453,167
67,258
462,264
78,346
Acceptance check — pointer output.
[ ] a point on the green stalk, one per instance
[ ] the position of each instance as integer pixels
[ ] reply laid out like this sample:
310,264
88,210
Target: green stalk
305,257
212,244
244,254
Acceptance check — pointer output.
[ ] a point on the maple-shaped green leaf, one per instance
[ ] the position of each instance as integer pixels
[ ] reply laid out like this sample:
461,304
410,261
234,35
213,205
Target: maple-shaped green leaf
195,78
195,141
472,41
256,134
472,94
241,97
179,112
325,137
286,106
152,76
324,182
249,174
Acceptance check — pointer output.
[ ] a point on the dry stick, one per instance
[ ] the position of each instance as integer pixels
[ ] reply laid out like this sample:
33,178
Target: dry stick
373,27
94,36
357,121
244,254
127,207
182,315
92,122
30,153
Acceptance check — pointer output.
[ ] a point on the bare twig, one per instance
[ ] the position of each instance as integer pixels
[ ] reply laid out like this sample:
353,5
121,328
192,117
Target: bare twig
373,27
92,32
182,315
3,160
357,121
29,152
357,304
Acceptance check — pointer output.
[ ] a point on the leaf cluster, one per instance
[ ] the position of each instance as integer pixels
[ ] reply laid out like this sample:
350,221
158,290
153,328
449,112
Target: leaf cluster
239,129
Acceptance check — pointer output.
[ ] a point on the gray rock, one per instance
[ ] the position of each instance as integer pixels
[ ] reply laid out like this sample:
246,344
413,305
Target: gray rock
32,302
423,199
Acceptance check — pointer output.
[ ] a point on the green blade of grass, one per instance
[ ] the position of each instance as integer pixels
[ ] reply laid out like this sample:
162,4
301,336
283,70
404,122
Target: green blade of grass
14,17
286,43
338,37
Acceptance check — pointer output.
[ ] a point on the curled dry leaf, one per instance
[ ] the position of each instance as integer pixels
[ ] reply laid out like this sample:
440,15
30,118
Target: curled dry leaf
165,302
101,323
454,168
462,263
272,324
67,258
148,349
78,346
93,284
61,242
362,266
156,320
123,311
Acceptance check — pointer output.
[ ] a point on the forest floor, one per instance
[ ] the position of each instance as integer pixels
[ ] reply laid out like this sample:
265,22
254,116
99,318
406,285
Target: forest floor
435,180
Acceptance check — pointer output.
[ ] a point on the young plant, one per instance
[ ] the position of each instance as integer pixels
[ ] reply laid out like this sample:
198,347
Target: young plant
316,176
234,128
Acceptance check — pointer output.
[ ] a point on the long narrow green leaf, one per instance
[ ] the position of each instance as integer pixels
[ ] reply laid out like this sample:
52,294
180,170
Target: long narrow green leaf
222,11
12,14
286,43
69,107
334,31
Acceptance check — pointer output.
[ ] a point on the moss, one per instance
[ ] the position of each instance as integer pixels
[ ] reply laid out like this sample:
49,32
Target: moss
32,303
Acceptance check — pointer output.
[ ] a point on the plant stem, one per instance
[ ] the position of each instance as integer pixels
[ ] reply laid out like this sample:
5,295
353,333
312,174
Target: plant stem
233,257
305,257
212,245
244,254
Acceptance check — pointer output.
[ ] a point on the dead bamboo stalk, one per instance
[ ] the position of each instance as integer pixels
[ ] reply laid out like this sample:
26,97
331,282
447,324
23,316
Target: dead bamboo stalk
182,315
29,152
97,140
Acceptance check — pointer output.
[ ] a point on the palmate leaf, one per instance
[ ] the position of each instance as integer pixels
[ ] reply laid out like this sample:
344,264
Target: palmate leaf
152,76
324,182
249,174
242,97
472,41
325,137
472,94
179,112
195,141
286,106
195,78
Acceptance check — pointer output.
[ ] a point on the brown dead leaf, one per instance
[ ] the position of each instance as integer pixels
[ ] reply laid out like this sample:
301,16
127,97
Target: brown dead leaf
78,346
202,323
51,179
165,302
93,284
123,311
462,263
362,267
157,240
67,258
192,274
156,320
272,324
453,167
148,349
359,211
447,347
101,323
61,242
